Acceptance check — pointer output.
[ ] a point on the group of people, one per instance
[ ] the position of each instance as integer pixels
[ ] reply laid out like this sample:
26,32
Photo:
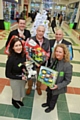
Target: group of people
58,60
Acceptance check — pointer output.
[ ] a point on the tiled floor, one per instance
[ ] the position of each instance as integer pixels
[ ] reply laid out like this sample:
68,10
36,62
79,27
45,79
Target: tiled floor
68,105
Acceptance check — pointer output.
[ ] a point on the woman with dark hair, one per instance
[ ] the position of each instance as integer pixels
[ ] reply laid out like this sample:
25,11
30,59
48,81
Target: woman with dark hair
14,67
60,63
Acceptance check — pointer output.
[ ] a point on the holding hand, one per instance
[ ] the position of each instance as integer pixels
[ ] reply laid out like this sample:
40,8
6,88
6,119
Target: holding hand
24,77
22,36
55,87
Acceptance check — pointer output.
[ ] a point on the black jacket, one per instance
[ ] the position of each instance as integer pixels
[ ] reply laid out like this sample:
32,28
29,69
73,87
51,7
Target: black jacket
15,32
45,44
53,24
52,42
13,70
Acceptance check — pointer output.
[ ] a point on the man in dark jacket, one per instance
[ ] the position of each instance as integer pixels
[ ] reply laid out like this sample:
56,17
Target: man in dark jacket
58,39
43,43
21,32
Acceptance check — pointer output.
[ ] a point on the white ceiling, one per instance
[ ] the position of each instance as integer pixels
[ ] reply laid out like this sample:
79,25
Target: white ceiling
49,0
54,0
61,2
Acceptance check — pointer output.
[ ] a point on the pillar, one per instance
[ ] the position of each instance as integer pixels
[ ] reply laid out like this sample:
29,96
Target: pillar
22,6
1,9
77,14
29,6
53,10
1,15
77,19
41,6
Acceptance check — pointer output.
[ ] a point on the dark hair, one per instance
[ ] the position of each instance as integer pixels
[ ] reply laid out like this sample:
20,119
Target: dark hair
13,41
21,18
54,18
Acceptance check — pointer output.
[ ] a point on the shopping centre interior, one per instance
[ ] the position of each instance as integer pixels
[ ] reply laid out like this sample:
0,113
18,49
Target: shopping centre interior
69,8
68,104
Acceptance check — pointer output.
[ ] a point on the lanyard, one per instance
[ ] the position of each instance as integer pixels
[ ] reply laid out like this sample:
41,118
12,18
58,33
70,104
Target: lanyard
55,64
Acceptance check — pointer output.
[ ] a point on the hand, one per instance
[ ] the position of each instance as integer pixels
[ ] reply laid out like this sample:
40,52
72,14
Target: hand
22,36
47,58
55,87
24,77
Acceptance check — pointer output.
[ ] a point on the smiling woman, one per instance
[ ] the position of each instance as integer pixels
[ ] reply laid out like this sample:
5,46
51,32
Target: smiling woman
15,73
60,63
61,52
17,47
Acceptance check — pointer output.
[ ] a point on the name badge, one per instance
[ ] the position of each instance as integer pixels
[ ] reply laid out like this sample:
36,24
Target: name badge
61,74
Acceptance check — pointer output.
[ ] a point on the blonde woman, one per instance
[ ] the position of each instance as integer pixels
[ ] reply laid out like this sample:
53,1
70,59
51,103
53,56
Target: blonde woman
60,63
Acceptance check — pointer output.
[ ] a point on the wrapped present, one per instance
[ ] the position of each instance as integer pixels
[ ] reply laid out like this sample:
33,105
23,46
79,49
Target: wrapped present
6,51
47,76
35,52
70,51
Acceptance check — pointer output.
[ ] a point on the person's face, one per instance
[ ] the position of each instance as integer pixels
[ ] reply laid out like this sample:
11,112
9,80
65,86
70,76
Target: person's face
40,32
59,53
22,24
58,35
17,47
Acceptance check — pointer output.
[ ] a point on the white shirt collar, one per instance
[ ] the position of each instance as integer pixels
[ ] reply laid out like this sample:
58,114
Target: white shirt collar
58,43
21,32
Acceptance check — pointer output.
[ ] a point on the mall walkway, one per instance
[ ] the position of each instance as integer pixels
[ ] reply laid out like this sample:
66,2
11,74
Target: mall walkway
68,105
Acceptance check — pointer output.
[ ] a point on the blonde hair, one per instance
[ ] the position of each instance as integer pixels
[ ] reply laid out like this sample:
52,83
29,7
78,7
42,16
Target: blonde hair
65,50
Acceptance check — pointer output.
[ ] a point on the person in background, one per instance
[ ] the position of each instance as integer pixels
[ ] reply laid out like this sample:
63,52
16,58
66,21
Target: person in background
60,19
57,22
22,14
44,43
12,13
58,40
17,16
14,72
33,15
53,24
60,63
21,32
49,16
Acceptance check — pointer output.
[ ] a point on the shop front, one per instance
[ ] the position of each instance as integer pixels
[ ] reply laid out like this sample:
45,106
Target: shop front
72,15
10,8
